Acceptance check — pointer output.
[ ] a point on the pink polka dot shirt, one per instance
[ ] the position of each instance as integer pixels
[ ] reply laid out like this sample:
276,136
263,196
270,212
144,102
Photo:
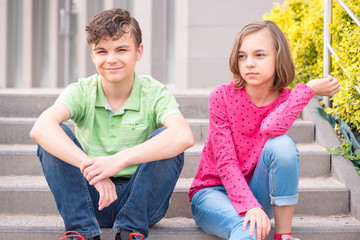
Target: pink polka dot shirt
238,131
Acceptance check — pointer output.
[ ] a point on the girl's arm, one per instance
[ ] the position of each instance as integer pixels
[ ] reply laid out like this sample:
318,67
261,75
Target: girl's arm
327,86
227,164
279,121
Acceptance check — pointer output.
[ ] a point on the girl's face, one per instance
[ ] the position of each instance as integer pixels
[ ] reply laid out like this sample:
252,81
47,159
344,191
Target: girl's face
257,60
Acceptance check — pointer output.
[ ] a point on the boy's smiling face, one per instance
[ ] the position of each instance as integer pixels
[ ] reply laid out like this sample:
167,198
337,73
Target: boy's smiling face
115,59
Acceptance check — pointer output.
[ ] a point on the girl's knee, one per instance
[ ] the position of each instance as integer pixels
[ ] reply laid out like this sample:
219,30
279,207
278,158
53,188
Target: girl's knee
280,143
282,148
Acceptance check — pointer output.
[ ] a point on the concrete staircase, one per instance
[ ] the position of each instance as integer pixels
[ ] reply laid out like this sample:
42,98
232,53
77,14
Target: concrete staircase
28,211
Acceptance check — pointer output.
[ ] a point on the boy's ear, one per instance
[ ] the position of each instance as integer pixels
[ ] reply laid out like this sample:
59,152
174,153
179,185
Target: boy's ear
91,46
139,52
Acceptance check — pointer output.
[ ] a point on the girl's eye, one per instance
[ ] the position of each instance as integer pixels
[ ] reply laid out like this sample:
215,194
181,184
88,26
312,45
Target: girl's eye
241,56
260,55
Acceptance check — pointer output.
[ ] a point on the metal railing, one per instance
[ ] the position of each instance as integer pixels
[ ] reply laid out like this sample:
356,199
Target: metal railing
327,47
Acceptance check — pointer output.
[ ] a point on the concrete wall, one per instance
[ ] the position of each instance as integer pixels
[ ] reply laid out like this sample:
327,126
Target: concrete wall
205,32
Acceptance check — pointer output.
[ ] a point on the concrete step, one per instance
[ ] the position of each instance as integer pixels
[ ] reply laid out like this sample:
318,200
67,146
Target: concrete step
342,227
20,159
31,195
51,227
32,102
16,130
17,159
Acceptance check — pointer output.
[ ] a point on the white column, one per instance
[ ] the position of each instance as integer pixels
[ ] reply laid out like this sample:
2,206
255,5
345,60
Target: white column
27,42
108,4
53,44
181,43
142,12
327,37
83,49
327,40
3,43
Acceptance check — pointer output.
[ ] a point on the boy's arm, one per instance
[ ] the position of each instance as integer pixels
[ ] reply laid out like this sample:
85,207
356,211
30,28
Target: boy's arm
175,139
50,136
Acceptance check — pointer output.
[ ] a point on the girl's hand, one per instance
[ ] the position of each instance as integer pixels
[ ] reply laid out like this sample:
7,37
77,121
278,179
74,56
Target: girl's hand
257,217
326,86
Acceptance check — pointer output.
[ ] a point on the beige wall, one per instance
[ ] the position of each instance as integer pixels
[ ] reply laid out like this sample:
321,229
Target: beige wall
210,32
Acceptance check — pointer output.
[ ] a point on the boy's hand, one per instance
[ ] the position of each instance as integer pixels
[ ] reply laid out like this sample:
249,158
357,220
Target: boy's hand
107,192
257,217
326,86
99,168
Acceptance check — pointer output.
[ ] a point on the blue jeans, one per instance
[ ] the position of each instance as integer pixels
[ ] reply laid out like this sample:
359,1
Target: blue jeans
275,182
142,200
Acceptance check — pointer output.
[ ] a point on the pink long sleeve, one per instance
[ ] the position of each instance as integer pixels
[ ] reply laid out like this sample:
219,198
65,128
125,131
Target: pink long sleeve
279,121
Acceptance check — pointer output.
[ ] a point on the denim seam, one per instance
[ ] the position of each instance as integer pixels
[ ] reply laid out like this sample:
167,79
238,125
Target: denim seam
90,207
124,207
271,171
173,186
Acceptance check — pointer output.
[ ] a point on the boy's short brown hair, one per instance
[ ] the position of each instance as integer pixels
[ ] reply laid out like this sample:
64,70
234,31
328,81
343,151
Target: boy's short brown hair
113,23
284,65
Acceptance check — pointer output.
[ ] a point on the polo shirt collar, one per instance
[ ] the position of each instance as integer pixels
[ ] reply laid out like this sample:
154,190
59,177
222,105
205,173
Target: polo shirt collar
133,102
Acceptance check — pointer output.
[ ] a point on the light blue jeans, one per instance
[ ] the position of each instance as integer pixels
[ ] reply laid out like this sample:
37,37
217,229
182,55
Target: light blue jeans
142,200
275,182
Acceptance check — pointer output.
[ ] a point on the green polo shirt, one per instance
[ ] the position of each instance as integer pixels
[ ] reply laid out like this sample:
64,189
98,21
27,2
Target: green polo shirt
102,132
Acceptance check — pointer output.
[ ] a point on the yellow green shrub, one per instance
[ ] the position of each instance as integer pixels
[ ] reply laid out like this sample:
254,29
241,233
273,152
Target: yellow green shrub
346,37
302,23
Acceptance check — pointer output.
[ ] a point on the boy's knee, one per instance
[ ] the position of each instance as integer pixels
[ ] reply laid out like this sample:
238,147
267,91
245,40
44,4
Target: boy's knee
67,130
177,161
157,131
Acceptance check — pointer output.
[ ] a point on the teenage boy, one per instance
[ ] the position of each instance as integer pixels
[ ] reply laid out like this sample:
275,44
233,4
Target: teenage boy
113,173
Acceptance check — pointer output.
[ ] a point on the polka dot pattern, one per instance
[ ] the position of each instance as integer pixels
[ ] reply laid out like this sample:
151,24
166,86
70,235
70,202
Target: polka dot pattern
238,131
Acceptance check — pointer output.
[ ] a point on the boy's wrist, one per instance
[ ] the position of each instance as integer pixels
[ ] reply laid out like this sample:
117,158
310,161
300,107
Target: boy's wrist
84,159
124,158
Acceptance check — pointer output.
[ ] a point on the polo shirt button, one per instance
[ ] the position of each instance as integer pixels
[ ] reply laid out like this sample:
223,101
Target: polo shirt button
112,126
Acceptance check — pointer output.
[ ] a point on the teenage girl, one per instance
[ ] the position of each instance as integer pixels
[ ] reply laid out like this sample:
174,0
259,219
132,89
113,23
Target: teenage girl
249,168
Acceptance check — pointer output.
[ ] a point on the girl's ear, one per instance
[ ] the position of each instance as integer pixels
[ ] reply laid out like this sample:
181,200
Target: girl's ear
139,52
